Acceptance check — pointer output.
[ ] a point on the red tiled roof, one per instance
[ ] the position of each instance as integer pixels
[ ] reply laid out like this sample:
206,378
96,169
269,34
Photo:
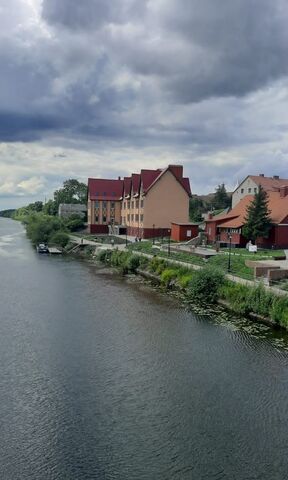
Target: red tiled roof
105,189
269,183
277,205
176,172
127,186
148,177
186,184
136,179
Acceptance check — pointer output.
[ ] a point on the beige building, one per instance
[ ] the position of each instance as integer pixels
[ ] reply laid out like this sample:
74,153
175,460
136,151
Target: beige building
150,201
250,186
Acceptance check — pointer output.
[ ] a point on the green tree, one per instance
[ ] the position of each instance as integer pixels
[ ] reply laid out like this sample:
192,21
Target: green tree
74,222
41,227
257,220
196,208
221,198
59,238
50,208
71,192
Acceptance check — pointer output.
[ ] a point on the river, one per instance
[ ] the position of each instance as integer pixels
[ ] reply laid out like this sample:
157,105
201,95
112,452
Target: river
104,378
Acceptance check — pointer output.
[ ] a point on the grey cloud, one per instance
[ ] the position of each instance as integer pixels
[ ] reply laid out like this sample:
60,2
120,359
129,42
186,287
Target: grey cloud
91,14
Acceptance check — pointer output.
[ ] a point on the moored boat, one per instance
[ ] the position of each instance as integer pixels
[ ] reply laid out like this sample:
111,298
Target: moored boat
42,248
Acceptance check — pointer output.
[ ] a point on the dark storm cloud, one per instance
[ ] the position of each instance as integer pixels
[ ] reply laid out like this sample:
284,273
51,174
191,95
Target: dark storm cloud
27,127
190,78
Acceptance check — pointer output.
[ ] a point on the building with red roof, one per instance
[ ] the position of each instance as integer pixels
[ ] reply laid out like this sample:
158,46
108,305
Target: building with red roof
250,186
219,228
146,204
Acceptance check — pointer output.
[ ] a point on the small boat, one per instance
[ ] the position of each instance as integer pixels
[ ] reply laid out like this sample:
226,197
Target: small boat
42,248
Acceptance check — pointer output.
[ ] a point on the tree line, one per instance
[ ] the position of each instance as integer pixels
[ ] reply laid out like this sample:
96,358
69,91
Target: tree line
219,201
41,219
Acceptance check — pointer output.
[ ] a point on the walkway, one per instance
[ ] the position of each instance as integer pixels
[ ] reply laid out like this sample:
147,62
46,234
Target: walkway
233,278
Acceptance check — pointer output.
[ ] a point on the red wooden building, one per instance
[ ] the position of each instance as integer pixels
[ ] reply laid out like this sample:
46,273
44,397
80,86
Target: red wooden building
182,232
219,228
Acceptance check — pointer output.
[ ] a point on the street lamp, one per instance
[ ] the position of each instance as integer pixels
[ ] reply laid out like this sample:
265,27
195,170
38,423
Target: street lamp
169,233
153,233
126,240
229,235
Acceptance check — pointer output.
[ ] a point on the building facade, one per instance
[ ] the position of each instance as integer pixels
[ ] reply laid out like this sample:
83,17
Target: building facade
145,203
250,186
221,228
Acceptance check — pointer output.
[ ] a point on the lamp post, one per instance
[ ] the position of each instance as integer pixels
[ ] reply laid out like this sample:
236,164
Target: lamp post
169,233
229,235
153,233
126,240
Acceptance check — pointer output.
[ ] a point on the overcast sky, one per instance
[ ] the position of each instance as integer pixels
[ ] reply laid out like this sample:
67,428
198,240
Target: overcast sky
105,88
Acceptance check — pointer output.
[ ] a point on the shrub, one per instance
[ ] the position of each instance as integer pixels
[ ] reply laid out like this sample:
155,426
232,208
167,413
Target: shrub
133,263
279,311
184,280
205,285
104,256
167,276
60,239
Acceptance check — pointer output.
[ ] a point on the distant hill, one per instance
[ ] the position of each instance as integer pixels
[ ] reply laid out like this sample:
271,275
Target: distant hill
209,197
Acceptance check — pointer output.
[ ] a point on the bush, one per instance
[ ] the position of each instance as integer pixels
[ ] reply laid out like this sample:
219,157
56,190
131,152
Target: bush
167,276
279,311
104,256
60,239
205,285
133,263
184,280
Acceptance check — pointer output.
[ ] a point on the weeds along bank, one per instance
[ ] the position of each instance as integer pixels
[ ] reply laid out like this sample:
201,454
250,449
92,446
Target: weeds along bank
207,286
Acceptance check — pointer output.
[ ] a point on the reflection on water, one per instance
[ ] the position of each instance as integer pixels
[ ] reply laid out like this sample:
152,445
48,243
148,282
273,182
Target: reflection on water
103,378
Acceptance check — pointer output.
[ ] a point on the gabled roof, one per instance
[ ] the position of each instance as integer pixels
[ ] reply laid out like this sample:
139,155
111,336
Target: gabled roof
267,183
148,177
105,189
184,182
277,205
136,179
127,186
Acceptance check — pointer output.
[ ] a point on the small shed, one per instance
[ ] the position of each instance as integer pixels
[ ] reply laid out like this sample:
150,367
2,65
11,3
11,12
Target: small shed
182,232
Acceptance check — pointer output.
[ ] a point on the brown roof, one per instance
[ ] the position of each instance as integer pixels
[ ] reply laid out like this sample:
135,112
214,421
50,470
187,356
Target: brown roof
277,205
269,183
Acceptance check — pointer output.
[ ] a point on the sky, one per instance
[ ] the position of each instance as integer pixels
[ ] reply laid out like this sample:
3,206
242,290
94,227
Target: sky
98,88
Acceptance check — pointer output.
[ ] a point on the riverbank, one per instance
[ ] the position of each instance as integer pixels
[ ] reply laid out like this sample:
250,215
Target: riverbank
207,286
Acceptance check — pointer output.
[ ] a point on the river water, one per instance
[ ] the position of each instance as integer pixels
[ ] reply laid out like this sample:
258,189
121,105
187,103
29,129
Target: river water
102,378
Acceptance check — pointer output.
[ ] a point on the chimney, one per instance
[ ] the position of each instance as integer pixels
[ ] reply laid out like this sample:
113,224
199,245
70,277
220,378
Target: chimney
119,178
261,174
283,191
276,177
177,170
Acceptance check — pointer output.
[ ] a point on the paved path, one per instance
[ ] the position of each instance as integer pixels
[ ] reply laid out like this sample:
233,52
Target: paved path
233,278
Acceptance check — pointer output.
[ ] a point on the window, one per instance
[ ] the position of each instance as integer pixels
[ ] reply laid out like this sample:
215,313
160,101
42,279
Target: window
132,204
136,218
104,204
242,190
128,204
124,205
104,194
141,218
249,190
97,203
142,204
112,204
96,218
137,203
104,219
255,190
128,217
